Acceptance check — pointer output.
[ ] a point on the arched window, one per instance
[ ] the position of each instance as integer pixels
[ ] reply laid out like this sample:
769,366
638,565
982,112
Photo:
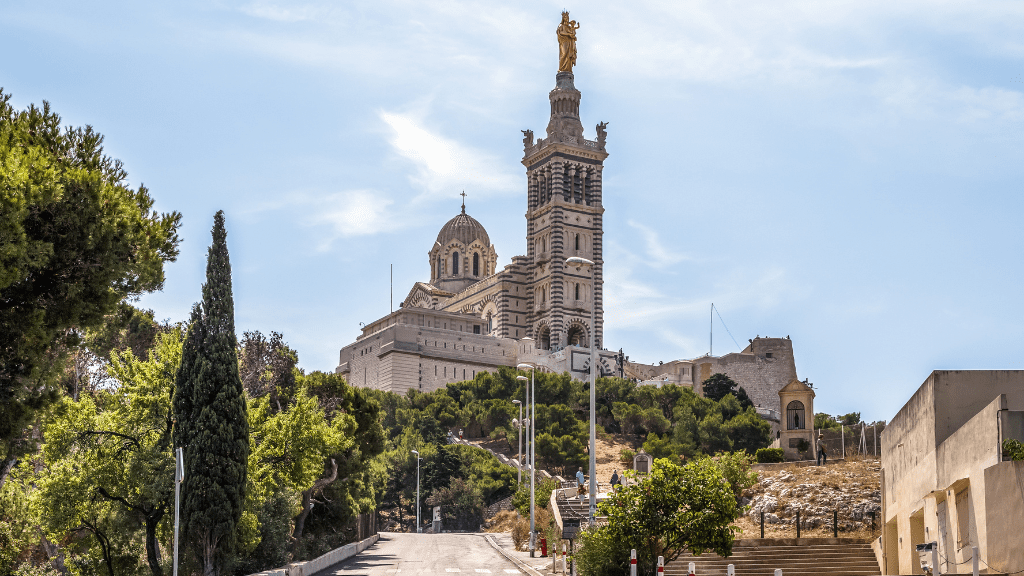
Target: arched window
795,415
543,244
476,264
490,323
577,291
455,264
438,265
577,242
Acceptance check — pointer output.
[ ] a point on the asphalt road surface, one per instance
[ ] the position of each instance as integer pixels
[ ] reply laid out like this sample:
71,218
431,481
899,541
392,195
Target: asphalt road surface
398,554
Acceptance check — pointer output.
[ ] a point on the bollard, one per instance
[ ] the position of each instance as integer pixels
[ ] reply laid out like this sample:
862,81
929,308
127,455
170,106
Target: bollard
661,565
762,524
691,570
797,523
835,523
563,558
730,570
974,560
632,562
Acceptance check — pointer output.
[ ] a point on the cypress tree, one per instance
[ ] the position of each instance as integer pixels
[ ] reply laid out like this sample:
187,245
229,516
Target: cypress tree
210,415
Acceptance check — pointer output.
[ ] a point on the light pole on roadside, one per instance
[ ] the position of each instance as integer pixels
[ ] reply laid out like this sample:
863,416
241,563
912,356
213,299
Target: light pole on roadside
419,528
579,263
533,452
519,452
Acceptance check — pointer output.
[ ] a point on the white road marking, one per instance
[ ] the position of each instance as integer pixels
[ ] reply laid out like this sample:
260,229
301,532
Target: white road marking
511,571
483,570
452,570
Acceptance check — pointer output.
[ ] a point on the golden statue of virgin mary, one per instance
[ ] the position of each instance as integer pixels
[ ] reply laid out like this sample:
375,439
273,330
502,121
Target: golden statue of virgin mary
566,32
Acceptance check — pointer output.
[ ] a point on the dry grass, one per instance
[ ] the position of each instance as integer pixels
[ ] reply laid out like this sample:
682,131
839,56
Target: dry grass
503,521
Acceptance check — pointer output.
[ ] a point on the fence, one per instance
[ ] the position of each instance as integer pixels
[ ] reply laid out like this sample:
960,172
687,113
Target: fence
851,437
817,524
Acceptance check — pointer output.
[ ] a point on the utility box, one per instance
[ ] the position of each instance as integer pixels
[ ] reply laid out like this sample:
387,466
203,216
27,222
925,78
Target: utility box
570,528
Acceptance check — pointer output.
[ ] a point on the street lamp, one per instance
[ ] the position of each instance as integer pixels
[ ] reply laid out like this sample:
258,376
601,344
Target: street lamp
579,263
519,452
531,440
419,527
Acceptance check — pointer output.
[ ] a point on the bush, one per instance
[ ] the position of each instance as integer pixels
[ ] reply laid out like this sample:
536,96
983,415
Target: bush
769,455
520,532
735,468
626,457
1013,449
601,554
542,496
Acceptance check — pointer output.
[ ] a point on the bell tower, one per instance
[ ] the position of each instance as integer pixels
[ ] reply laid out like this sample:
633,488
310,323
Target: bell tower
564,218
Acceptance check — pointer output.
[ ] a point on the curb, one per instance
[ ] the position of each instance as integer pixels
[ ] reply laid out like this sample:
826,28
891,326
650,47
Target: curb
522,565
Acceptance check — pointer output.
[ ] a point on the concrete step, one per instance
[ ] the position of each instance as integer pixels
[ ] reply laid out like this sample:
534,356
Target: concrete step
795,558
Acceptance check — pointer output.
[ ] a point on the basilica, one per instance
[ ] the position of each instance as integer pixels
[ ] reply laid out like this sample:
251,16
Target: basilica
471,318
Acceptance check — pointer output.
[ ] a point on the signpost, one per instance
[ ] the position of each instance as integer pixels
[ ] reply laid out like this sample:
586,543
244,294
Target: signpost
570,528
179,476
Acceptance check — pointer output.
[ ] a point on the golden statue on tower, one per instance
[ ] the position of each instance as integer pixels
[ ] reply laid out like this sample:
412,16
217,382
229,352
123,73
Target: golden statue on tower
566,32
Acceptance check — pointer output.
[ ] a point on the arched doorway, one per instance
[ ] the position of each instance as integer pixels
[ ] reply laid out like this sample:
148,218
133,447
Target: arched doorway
577,336
544,338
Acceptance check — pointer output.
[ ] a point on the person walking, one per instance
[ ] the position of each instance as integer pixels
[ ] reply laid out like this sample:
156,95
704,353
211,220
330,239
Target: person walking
616,482
822,455
580,480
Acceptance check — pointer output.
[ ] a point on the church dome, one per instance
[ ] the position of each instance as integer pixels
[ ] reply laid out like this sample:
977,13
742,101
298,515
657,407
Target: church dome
463,228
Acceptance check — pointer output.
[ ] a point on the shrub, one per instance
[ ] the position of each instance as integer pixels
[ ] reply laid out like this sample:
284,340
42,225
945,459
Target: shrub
769,455
735,468
626,457
520,532
598,553
1013,449
803,446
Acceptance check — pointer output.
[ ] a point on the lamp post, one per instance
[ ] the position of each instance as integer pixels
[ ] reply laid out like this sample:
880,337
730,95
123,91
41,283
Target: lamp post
519,452
419,527
579,263
532,452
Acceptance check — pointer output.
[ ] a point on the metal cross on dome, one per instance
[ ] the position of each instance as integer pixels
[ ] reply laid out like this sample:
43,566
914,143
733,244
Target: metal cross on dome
463,201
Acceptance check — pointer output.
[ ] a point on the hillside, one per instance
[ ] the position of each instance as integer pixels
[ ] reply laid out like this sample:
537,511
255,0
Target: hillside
852,487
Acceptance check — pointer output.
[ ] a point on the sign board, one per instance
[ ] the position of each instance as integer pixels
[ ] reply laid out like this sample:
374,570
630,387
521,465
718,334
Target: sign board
437,513
570,528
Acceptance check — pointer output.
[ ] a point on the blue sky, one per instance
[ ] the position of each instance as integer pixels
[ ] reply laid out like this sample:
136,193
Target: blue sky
846,173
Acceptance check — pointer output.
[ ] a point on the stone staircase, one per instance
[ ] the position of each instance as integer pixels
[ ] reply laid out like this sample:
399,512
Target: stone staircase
796,557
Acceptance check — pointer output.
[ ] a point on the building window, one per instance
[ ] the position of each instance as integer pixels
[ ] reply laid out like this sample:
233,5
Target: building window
577,291
435,369
455,264
476,329
438,265
476,264
767,354
795,415
577,242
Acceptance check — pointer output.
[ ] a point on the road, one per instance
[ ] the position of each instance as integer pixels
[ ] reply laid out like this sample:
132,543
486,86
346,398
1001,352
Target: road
397,554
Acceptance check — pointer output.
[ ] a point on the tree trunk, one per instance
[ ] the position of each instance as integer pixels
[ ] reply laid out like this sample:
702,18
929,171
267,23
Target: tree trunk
307,497
6,465
209,554
152,545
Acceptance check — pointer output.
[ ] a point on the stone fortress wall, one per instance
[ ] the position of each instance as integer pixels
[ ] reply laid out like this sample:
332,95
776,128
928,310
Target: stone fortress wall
763,368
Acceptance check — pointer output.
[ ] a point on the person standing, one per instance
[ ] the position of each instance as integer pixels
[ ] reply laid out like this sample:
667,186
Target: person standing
580,480
822,455
616,482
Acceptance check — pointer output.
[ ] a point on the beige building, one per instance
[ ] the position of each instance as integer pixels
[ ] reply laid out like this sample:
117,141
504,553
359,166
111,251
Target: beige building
944,478
797,428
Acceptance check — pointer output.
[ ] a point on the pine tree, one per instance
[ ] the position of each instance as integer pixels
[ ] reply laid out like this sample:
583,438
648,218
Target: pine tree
210,415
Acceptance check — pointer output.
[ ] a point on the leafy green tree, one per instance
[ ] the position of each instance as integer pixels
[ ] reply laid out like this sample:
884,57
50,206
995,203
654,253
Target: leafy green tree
735,468
210,417
851,419
77,242
748,431
824,421
672,509
713,434
630,418
718,385
110,460
562,453
662,447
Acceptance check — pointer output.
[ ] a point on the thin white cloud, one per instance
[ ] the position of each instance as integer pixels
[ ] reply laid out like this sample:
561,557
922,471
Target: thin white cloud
445,167
658,254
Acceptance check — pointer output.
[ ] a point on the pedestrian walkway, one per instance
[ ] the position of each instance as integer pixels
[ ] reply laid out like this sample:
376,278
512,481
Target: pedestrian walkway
522,558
